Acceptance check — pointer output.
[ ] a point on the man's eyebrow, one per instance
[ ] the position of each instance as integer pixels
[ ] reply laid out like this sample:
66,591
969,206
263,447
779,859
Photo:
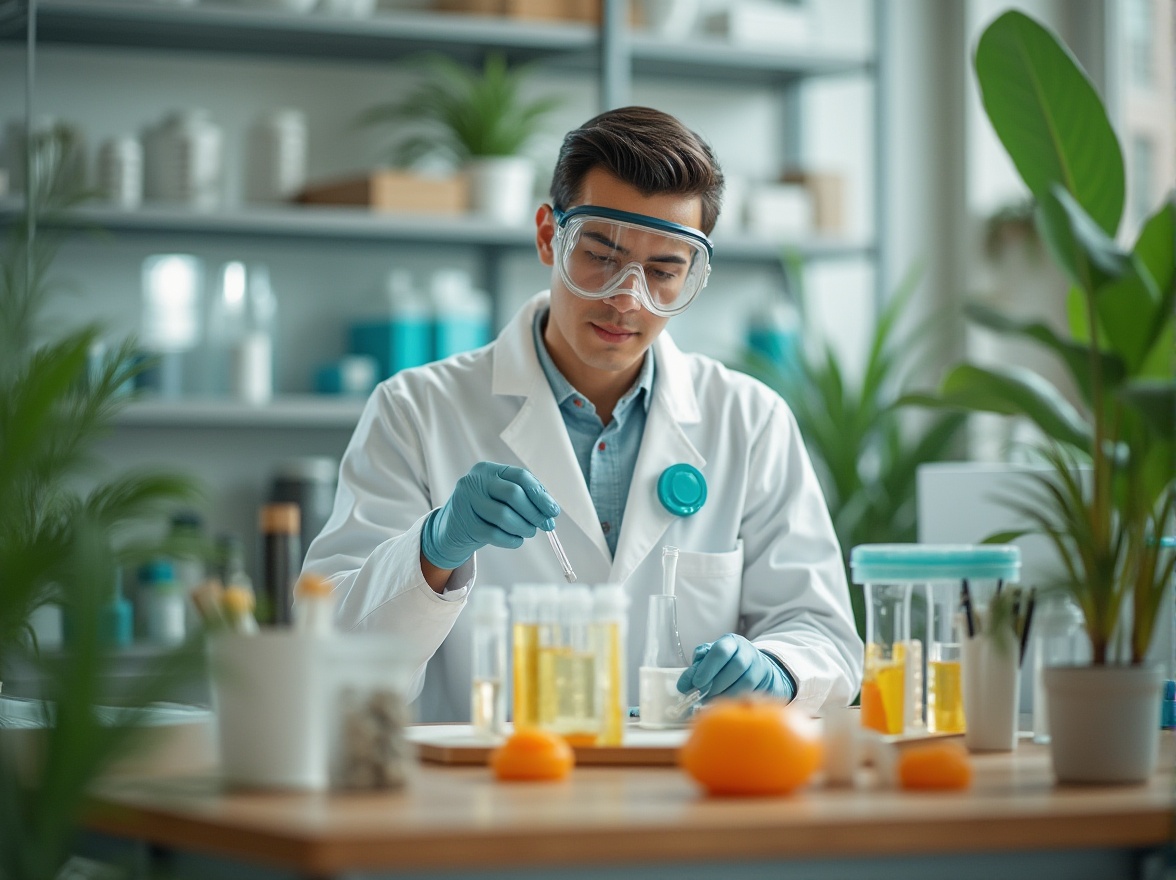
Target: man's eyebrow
603,239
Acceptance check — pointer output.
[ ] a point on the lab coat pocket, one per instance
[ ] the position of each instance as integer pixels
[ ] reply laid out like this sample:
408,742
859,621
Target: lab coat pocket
708,588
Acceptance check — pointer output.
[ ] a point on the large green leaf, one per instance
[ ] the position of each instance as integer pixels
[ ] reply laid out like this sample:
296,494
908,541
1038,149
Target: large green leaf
1089,256
1010,391
1075,355
1142,316
1049,117
1155,400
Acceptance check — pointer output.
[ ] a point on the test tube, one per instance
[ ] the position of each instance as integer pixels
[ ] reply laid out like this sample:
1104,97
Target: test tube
610,604
488,693
564,564
525,651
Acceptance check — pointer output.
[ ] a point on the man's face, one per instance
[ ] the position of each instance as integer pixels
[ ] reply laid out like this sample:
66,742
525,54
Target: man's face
608,335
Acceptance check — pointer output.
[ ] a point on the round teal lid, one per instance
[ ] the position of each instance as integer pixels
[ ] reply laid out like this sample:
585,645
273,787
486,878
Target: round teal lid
875,563
682,489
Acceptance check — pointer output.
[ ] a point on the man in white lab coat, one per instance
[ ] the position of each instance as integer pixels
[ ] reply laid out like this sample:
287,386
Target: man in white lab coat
583,416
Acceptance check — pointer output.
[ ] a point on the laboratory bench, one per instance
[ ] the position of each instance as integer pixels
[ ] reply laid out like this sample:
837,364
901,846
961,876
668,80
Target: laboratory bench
648,822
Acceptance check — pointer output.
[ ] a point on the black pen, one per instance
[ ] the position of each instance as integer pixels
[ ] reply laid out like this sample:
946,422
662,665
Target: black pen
1029,605
966,602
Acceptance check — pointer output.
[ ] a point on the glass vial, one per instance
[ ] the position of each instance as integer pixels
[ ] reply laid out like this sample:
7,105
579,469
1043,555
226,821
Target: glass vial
488,691
610,611
524,599
281,562
886,698
573,669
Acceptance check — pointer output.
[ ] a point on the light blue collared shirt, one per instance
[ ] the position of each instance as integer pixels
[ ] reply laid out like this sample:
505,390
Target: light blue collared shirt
607,453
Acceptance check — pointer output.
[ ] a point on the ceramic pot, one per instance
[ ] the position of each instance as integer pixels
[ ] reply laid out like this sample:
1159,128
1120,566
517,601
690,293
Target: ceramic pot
502,188
1104,722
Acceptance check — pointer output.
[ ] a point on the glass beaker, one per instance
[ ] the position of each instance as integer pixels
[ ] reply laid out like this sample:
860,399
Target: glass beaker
885,696
945,697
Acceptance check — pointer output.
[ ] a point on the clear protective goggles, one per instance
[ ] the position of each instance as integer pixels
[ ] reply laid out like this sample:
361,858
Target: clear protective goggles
598,251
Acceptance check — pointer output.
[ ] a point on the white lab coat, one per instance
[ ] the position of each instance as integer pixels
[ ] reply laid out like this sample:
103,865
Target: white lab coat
760,558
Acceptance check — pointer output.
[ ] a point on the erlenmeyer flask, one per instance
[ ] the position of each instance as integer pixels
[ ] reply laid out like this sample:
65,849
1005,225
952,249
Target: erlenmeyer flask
662,665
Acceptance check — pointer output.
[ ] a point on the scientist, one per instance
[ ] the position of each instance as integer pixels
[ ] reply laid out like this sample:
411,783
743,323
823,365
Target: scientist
583,414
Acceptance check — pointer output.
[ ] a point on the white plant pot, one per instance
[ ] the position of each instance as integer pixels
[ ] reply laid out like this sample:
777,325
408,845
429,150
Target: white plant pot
502,188
1104,722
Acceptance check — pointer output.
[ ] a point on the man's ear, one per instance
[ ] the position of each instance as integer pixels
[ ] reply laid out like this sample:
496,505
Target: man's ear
544,233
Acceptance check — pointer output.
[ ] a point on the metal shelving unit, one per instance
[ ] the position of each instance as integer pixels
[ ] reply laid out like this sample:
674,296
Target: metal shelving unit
286,411
356,224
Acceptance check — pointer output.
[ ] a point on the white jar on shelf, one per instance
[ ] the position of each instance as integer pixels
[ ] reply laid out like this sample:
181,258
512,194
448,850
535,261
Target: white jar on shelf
120,171
276,167
185,160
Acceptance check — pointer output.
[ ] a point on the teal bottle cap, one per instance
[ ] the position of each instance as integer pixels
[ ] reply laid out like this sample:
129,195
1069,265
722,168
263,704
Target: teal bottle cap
917,563
682,489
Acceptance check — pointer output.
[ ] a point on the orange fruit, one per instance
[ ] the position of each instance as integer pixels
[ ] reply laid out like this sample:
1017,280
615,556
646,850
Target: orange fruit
531,754
935,765
752,745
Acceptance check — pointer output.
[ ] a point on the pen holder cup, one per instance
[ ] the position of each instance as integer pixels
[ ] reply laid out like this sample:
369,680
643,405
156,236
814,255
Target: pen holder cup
992,690
300,711
267,691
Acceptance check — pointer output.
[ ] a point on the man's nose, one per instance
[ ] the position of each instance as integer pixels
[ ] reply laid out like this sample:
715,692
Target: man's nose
626,298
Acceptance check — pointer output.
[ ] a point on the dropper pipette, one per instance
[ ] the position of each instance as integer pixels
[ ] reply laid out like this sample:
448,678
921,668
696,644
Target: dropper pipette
564,563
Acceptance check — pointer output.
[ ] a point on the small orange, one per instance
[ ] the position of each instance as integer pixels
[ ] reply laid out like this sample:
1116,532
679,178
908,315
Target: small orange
531,754
752,745
935,765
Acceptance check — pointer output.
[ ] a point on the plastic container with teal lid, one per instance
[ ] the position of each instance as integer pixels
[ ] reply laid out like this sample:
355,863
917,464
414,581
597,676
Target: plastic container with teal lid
893,681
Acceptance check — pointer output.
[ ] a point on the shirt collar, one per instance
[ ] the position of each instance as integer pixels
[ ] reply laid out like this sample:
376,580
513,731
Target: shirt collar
563,389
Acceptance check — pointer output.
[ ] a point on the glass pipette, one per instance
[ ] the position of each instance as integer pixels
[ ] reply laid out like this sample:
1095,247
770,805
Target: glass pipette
564,564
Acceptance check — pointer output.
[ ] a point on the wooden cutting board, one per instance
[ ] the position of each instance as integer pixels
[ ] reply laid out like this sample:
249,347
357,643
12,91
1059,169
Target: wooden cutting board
457,744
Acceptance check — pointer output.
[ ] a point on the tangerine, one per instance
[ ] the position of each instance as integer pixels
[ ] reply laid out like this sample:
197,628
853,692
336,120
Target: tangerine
935,766
532,754
752,745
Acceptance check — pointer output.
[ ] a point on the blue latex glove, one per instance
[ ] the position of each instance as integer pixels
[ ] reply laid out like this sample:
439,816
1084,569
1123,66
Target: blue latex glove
493,504
731,665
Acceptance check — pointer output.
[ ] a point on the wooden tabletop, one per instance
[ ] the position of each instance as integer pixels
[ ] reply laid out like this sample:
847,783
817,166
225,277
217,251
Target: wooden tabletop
459,817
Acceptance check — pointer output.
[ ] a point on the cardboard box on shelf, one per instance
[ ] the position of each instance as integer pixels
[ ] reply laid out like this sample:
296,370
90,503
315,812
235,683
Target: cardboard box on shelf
539,10
778,209
393,190
827,192
767,23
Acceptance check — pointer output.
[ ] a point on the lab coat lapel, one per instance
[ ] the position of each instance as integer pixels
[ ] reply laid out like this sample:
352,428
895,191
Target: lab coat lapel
537,434
665,443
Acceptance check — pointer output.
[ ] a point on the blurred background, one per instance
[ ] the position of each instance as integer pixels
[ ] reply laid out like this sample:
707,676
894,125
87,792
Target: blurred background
273,200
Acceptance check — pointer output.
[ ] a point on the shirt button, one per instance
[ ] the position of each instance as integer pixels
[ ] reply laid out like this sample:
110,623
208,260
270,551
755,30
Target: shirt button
601,446
605,527
577,401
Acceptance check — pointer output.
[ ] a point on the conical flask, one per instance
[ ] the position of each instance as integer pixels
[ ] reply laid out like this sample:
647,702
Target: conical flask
664,661
663,646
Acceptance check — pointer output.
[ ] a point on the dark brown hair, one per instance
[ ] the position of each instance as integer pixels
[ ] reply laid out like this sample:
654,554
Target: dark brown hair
649,150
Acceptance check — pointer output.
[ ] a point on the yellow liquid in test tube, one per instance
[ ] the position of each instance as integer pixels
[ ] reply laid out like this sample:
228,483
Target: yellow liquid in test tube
612,708
526,675
884,691
945,697
576,718
548,692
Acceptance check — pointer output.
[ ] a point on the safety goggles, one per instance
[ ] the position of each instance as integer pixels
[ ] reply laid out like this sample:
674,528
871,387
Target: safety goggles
598,251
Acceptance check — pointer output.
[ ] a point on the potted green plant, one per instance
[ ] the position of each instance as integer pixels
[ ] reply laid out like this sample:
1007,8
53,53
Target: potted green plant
477,120
1106,493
